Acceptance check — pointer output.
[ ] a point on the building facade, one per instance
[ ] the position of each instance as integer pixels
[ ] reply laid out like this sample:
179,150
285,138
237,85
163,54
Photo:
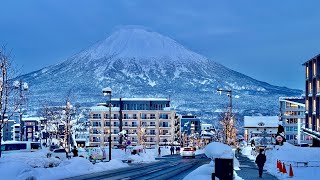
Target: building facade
292,116
255,126
146,121
31,127
190,130
7,130
312,94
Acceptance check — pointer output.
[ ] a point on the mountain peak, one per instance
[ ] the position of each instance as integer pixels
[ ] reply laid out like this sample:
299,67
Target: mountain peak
137,42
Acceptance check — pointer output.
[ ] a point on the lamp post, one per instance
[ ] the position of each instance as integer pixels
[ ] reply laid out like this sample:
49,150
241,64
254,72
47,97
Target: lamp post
229,115
107,91
21,86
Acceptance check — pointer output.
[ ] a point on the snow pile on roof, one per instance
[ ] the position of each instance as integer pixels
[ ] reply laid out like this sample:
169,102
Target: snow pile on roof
261,121
218,150
103,108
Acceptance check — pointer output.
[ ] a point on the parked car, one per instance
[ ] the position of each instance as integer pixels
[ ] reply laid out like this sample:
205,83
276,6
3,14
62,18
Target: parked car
188,152
58,153
19,146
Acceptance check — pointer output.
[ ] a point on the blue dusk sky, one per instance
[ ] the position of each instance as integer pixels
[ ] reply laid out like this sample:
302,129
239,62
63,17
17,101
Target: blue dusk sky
267,40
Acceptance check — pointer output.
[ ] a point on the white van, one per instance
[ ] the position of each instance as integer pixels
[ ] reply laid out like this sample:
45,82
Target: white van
20,146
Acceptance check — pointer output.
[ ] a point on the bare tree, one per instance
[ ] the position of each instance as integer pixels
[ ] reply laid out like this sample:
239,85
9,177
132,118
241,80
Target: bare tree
7,101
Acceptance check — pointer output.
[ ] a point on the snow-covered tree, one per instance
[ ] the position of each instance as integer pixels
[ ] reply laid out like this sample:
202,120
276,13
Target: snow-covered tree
8,105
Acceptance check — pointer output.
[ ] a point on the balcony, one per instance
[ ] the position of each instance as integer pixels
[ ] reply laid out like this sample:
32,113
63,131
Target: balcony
169,126
133,134
129,126
165,134
150,134
151,126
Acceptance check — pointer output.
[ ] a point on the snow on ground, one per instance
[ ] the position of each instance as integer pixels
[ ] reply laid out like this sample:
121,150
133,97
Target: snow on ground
212,151
290,154
36,164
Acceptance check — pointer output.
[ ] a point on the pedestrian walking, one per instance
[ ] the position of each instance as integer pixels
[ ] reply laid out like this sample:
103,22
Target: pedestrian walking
159,151
75,151
252,143
177,149
260,160
172,150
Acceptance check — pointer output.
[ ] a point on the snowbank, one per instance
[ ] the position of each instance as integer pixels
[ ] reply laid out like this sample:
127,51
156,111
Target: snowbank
218,150
205,172
35,165
290,154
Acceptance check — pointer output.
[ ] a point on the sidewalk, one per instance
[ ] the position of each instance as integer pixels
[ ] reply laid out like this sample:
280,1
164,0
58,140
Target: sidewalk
249,170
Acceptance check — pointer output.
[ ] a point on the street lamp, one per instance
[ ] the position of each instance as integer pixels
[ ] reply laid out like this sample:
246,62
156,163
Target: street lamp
229,115
107,91
21,86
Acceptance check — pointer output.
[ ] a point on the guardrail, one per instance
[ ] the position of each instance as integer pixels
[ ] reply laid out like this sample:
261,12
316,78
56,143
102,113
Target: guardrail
302,163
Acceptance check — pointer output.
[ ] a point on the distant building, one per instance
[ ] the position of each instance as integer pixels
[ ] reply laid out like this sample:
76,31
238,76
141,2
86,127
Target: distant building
31,127
190,124
16,132
208,133
148,121
312,90
292,111
206,127
254,126
190,129
7,130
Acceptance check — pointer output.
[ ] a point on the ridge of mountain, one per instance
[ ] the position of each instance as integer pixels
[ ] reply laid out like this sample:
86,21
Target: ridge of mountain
140,63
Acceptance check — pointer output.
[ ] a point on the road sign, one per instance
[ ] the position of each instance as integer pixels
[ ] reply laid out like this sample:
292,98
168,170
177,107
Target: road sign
128,142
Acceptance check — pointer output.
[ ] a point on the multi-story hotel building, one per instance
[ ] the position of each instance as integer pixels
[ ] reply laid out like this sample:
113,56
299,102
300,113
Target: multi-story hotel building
292,116
312,90
147,121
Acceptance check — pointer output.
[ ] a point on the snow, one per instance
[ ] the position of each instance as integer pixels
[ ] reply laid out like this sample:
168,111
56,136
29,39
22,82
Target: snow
139,43
254,121
218,150
26,165
36,164
290,154
287,154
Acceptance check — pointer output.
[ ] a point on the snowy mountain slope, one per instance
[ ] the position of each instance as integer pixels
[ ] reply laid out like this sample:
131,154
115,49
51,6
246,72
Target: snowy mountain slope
139,63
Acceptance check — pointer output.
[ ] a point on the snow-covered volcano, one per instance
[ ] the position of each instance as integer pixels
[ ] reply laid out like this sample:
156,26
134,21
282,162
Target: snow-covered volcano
136,62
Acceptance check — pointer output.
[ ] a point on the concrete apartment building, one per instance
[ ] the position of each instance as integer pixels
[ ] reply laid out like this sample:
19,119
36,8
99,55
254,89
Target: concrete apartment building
148,121
7,130
292,116
312,94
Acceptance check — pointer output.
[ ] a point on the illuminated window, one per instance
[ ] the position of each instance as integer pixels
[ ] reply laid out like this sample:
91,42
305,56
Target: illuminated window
314,68
307,104
310,122
307,71
314,105
310,87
